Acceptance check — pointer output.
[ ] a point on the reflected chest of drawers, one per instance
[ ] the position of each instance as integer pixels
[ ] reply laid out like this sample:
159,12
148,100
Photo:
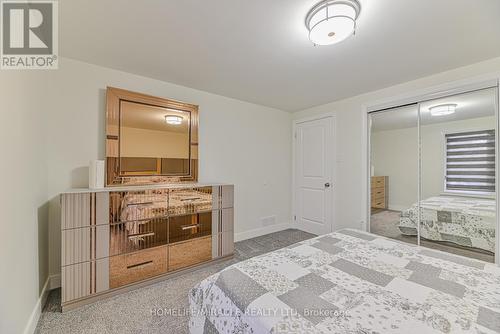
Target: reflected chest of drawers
379,192
117,239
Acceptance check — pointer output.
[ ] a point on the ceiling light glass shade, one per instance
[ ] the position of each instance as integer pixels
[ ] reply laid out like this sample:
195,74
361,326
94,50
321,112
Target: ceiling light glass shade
332,21
173,120
443,109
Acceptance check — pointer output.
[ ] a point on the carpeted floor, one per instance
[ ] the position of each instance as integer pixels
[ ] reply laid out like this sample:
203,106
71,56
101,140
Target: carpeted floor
385,223
134,312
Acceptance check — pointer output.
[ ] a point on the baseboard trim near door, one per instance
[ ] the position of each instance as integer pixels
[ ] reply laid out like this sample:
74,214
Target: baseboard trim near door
261,231
37,310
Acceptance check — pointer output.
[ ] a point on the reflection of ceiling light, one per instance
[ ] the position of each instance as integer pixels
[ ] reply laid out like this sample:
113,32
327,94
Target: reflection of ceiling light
443,109
332,21
174,120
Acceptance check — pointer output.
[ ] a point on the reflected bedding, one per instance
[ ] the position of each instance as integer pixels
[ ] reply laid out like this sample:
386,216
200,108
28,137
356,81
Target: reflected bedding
468,222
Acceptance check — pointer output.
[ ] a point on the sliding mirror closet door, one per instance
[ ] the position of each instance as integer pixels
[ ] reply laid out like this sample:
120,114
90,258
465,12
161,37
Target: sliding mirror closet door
394,173
458,202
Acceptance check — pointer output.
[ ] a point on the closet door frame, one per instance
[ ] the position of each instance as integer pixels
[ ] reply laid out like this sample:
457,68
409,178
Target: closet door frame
436,92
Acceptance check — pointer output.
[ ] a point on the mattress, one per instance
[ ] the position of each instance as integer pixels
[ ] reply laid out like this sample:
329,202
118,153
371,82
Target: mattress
468,222
349,282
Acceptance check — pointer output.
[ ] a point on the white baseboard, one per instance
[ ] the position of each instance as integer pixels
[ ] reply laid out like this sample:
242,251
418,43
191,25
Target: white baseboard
55,281
37,310
261,231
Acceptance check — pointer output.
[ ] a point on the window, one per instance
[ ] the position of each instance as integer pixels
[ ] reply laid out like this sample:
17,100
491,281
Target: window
470,162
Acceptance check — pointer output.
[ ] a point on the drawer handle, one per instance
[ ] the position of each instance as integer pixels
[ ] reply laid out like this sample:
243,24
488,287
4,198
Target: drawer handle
143,264
141,235
190,199
189,227
138,204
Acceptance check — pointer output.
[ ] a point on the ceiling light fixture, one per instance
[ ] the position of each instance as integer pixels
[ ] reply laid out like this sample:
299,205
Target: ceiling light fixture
332,21
443,109
173,120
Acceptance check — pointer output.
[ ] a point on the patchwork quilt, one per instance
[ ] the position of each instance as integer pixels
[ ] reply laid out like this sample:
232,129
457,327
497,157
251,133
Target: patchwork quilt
349,282
467,222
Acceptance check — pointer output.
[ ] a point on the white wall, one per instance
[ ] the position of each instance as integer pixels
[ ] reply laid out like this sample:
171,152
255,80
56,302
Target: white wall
351,144
23,169
395,154
240,143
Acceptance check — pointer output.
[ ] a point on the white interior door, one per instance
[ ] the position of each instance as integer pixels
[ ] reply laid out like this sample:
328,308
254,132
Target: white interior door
314,156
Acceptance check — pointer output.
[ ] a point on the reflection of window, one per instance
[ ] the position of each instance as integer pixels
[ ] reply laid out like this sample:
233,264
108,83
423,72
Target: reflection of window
470,162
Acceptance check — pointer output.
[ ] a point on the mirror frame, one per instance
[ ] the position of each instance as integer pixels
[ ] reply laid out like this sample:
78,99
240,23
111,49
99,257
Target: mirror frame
113,118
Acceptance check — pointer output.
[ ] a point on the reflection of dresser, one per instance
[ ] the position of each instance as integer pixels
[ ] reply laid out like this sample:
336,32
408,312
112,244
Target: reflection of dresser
379,192
119,238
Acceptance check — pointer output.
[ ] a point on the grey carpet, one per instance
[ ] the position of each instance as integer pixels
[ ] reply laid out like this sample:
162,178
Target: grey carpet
385,223
133,312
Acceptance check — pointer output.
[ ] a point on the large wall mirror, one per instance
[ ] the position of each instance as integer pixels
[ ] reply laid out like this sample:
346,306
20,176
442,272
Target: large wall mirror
433,173
150,139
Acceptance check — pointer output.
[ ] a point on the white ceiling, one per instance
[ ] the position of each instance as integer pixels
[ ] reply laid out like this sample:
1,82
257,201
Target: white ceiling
258,50
469,105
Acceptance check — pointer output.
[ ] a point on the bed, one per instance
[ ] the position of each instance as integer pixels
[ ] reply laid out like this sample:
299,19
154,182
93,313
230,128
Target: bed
468,222
349,282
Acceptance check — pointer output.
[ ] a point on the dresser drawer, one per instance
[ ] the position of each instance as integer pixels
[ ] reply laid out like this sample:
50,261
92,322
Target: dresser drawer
378,193
378,181
75,210
76,281
227,196
182,228
379,204
185,254
84,279
84,244
222,197
132,206
134,236
130,268
191,200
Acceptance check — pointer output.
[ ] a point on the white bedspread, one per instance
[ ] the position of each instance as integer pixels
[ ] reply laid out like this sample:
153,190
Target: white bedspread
350,282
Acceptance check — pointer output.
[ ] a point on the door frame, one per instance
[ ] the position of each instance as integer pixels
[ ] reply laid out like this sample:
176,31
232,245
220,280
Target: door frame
295,123
430,93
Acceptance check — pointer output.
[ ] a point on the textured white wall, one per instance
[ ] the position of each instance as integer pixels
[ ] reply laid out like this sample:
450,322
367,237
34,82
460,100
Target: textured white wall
23,168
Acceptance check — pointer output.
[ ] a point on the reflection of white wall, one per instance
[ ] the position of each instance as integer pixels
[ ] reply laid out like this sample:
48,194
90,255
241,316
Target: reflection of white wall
395,154
146,143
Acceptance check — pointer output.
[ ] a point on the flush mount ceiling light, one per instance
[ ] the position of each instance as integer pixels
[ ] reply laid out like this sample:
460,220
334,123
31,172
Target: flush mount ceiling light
332,21
443,109
173,120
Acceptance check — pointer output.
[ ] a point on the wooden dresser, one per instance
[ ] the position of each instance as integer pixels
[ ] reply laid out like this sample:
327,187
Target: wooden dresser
379,192
119,238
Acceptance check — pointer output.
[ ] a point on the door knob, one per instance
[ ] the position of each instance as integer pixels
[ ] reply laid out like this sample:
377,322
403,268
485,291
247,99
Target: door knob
327,185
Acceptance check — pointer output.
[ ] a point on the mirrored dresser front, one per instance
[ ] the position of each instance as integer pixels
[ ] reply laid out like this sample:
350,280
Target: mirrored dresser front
119,238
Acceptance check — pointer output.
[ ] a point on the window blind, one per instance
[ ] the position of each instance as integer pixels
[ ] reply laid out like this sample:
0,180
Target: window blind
470,161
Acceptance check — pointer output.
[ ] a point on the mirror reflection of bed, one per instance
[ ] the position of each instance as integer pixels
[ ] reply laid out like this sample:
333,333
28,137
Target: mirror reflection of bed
457,205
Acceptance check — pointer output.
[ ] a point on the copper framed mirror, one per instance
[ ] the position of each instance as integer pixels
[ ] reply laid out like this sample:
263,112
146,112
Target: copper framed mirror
149,139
